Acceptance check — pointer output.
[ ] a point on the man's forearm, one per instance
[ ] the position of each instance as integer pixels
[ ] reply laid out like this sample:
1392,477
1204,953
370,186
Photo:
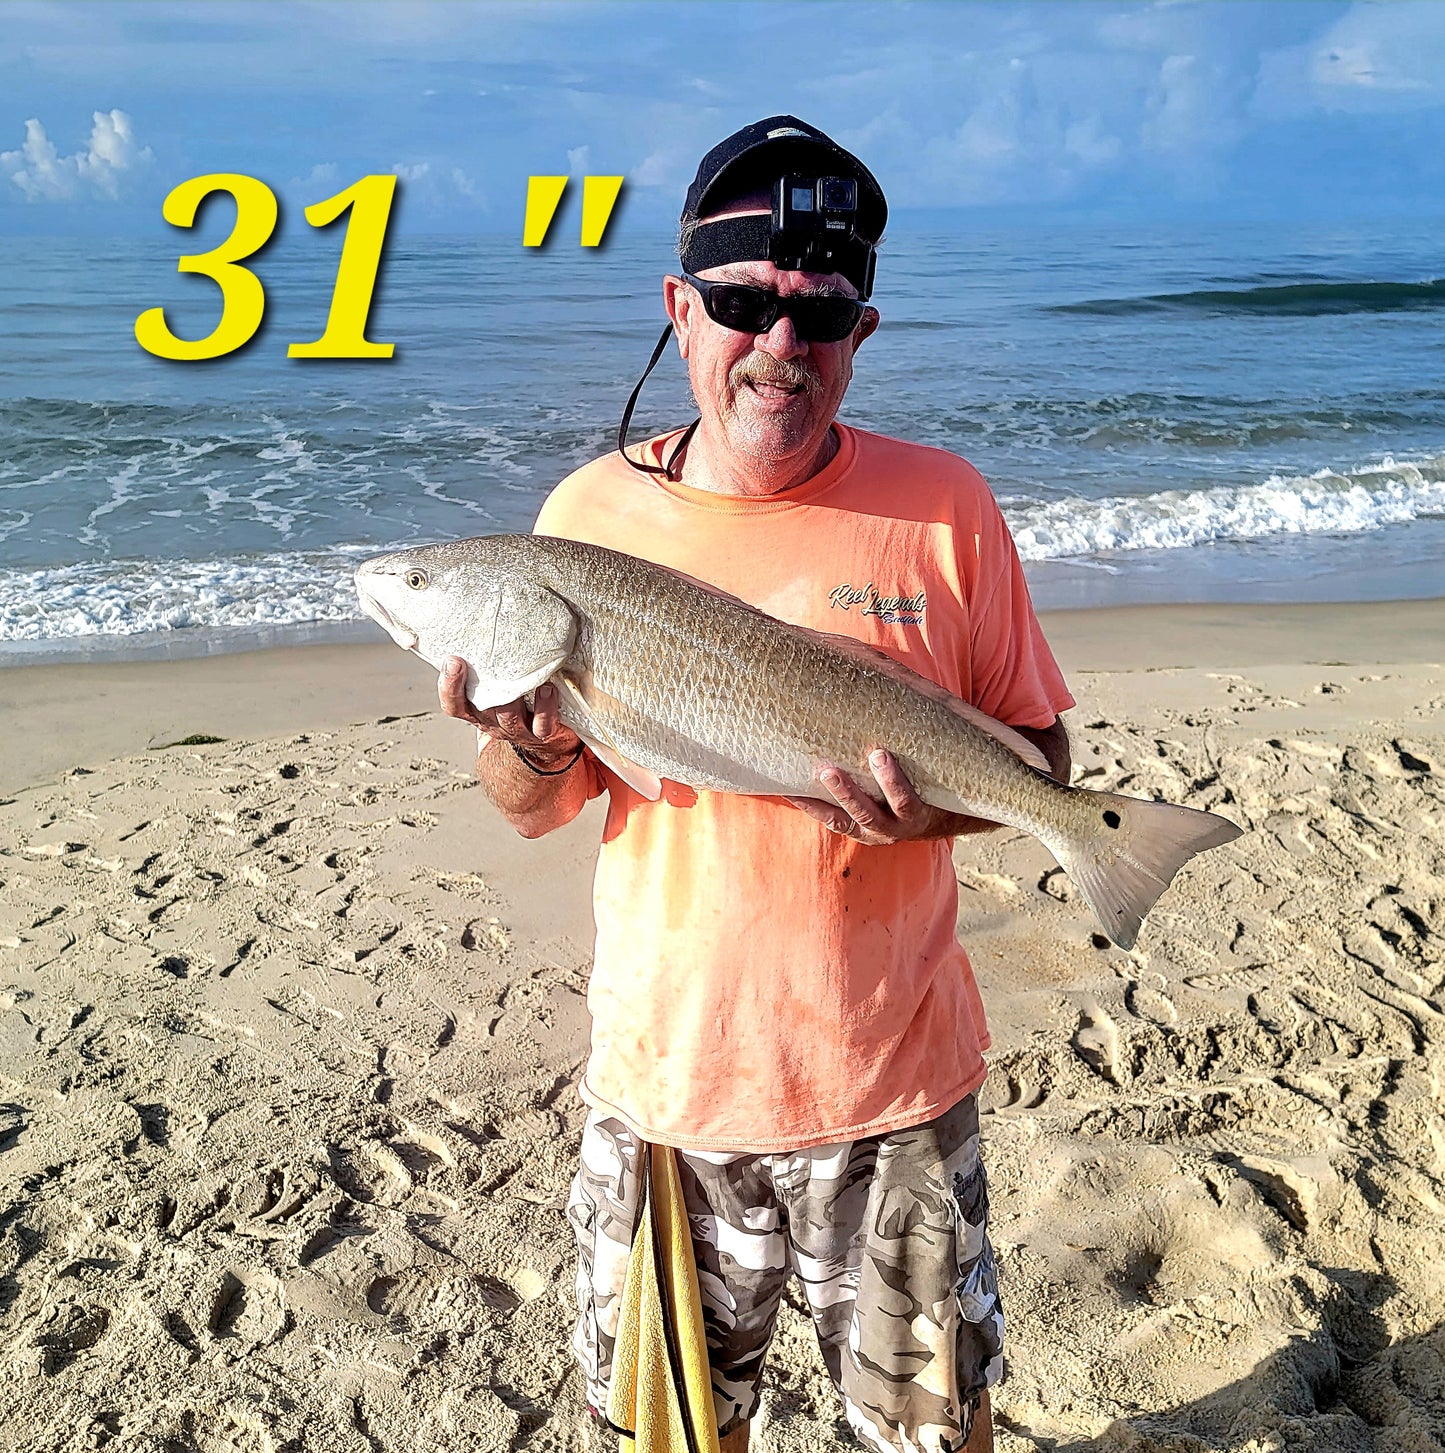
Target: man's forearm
1053,742
533,804
956,825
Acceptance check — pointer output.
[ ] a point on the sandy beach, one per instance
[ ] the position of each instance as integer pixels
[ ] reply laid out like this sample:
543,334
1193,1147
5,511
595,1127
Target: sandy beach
290,1025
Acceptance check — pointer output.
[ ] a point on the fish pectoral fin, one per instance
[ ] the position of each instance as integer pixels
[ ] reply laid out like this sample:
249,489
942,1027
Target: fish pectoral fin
590,729
486,691
532,633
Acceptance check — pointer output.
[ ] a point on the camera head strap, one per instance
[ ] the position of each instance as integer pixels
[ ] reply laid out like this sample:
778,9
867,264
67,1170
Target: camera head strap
827,215
813,227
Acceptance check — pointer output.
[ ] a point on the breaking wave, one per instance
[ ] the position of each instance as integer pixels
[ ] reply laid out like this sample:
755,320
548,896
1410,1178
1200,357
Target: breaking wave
137,597
1289,300
1328,502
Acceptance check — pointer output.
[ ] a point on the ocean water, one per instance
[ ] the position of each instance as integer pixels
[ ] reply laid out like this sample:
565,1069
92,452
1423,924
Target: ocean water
1238,413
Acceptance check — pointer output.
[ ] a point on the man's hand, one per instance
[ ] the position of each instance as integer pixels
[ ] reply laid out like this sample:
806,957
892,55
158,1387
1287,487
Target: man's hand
533,802
538,730
902,816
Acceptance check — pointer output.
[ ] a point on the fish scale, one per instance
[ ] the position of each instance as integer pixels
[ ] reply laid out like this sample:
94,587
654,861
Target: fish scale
755,692
667,678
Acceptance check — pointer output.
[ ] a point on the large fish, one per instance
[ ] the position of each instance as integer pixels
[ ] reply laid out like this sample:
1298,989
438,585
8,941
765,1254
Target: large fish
664,677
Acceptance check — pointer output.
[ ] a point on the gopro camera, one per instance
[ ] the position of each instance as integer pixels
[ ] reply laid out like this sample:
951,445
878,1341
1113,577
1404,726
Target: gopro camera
815,204
810,216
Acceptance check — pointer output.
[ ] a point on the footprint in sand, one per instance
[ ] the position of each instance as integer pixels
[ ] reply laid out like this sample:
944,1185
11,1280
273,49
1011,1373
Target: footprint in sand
489,935
1286,1191
386,1172
374,1174
540,1125
1096,1042
1150,1005
1003,1092
71,1329
337,1234
422,1151
209,1429
423,1295
1400,760
1415,757
1276,1011
156,1122
273,1195
248,1308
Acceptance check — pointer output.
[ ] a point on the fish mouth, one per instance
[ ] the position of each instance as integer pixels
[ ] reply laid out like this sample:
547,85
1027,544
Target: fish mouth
403,637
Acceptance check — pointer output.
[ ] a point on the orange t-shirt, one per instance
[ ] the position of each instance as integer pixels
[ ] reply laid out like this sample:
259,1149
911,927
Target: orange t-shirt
761,983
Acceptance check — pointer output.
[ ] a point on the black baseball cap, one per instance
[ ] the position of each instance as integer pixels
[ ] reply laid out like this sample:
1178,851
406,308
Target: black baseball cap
755,157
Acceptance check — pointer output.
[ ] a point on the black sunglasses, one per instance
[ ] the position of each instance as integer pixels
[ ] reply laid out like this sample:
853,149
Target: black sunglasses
818,319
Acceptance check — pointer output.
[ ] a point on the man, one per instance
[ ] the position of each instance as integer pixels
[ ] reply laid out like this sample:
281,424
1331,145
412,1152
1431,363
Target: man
777,991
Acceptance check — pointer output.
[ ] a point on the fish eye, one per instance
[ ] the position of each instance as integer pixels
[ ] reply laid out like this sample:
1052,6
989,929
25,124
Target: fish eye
417,579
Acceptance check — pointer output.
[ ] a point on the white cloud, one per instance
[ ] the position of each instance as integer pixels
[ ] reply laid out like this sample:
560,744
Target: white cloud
1397,47
322,181
670,166
1361,64
439,184
112,151
1373,59
43,175
1009,103
1188,110
1033,132
37,168
1090,144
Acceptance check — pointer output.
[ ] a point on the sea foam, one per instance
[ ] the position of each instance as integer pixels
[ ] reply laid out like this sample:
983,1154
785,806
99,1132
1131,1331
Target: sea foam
137,597
1327,502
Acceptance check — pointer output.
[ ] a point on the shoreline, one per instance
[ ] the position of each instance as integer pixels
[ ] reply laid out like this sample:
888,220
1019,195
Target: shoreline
61,715
1391,565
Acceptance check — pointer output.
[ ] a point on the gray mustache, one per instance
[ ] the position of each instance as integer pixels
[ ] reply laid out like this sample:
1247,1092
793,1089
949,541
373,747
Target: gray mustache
784,373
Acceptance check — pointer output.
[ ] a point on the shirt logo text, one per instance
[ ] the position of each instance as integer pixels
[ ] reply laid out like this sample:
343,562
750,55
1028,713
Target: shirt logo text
901,610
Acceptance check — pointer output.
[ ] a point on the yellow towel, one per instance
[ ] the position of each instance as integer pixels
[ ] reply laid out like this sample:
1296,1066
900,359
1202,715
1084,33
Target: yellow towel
661,1388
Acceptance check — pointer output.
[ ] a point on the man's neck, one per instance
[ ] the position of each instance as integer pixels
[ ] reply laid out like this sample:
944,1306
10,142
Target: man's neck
719,470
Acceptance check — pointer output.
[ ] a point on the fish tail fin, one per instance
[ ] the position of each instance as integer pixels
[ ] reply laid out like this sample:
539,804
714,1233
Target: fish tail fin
1123,866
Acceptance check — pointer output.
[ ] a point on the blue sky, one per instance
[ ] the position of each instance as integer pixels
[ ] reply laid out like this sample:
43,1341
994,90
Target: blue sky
1037,111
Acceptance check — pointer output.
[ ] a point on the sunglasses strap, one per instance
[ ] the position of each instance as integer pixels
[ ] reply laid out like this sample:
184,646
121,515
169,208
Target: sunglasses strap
641,465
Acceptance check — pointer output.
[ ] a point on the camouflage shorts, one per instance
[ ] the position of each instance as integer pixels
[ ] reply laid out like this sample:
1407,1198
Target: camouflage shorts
888,1238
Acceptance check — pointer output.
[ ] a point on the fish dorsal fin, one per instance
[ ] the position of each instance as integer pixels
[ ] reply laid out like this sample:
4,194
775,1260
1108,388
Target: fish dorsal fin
881,661
877,660
590,729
